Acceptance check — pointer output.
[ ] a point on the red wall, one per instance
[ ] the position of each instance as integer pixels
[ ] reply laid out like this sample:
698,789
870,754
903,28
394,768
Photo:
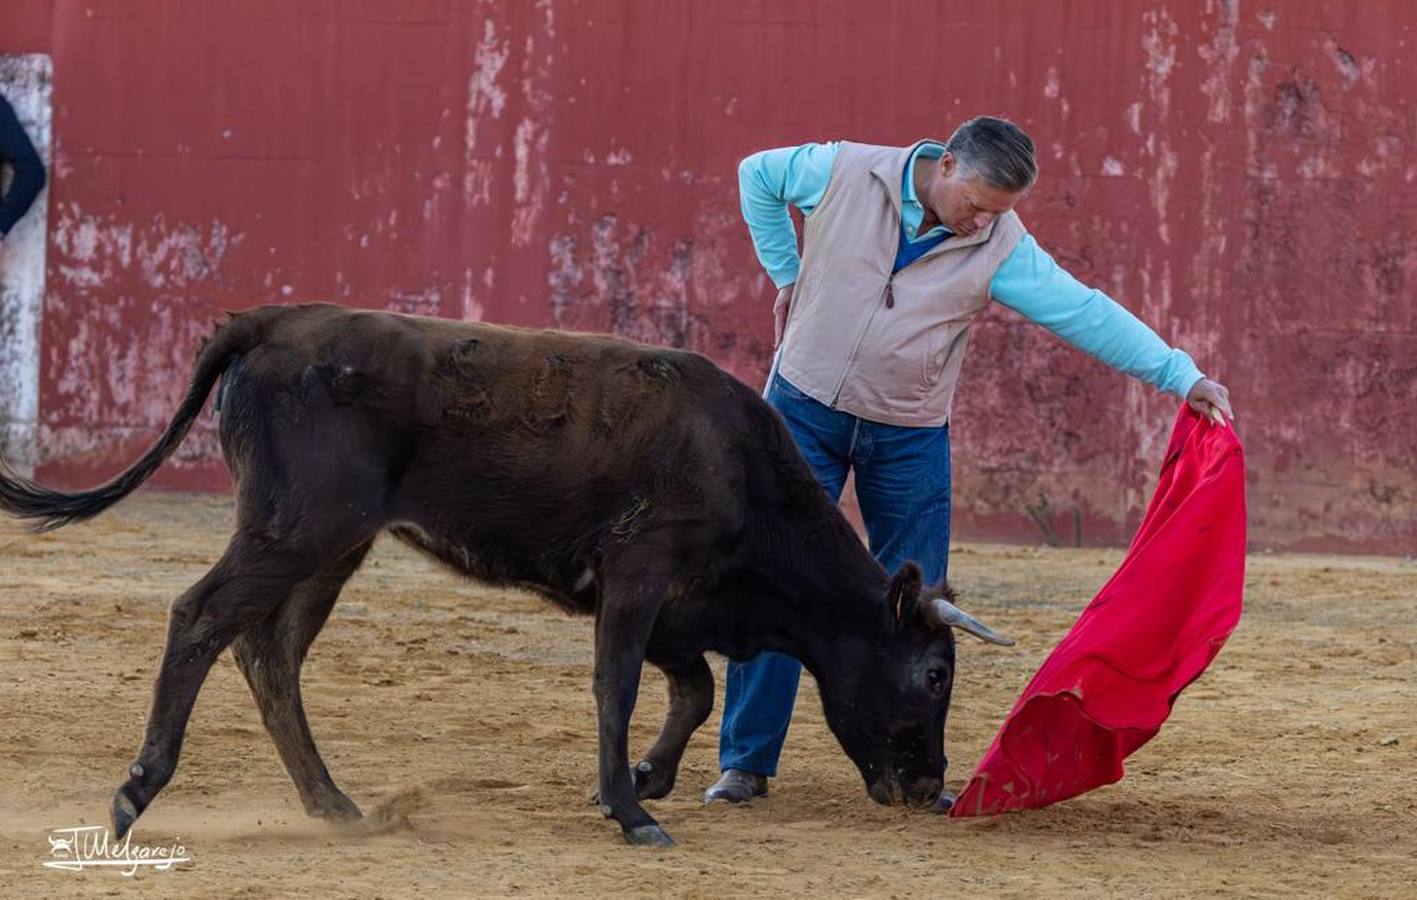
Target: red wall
1240,174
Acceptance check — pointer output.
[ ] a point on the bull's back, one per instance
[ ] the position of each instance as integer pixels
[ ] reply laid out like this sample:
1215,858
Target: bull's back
494,411
471,377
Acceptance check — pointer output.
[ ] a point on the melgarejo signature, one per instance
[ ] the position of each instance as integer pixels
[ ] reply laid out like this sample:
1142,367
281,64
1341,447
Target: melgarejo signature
78,848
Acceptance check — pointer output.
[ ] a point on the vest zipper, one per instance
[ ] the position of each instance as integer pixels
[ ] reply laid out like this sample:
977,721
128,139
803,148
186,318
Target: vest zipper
888,295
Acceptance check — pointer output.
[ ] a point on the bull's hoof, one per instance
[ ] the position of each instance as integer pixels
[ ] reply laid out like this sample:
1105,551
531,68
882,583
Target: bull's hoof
125,812
652,782
648,836
336,810
943,803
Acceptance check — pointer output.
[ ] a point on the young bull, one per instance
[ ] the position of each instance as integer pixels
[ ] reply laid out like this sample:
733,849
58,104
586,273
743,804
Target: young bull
642,485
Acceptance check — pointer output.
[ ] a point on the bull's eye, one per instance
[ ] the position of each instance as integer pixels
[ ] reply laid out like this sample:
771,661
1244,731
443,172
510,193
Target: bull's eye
936,679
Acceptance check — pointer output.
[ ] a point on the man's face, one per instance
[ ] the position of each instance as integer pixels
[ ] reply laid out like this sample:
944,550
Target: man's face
962,201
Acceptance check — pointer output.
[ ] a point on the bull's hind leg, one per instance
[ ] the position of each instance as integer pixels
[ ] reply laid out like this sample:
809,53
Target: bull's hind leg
690,702
245,585
270,654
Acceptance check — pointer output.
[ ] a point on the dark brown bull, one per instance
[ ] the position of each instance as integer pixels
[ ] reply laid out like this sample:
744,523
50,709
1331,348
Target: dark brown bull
643,485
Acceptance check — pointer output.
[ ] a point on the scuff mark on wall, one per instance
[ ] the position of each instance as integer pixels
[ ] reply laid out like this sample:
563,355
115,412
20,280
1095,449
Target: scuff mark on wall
427,302
485,97
473,309
606,290
1159,46
95,376
1344,62
1219,55
528,178
563,276
92,251
531,177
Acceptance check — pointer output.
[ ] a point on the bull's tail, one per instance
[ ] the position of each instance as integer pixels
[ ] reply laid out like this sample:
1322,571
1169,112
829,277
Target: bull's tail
48,509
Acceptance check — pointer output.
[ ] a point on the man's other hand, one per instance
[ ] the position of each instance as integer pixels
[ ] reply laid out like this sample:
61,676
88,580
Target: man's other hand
779,314
1206,397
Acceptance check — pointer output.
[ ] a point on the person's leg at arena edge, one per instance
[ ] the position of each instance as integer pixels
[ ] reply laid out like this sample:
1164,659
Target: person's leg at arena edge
759,694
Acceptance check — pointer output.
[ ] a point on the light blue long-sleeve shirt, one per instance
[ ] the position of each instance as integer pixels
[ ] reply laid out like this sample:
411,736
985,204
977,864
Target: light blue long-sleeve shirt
1028,281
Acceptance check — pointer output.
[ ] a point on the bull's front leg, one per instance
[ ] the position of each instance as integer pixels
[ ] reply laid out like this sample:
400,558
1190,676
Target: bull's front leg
629,605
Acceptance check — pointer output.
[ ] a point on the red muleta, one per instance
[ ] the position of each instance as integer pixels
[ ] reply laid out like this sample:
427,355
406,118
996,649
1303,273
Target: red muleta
1152,629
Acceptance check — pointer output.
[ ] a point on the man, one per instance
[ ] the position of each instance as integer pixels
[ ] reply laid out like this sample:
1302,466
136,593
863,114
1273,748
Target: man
17,150
902,248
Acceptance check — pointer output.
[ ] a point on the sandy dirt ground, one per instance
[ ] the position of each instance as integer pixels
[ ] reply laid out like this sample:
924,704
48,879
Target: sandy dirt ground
460,719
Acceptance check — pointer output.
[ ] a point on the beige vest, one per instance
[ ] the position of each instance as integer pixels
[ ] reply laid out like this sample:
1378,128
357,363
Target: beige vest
887,348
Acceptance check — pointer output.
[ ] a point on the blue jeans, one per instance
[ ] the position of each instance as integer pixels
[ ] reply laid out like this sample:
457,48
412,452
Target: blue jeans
903,486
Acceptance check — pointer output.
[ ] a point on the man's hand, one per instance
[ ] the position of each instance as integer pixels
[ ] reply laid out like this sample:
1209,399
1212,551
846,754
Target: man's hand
1210,399
779,314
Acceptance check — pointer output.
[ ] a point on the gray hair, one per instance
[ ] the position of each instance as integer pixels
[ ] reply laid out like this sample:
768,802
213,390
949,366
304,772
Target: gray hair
997,150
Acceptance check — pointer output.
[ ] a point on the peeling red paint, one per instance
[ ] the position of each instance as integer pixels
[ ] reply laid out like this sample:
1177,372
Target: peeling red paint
1239,174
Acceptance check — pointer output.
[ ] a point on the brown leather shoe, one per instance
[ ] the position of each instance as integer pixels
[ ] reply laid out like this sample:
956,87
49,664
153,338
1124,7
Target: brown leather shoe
737,786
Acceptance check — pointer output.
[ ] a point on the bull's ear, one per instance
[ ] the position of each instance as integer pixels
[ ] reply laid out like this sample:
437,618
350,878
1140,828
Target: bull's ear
903,595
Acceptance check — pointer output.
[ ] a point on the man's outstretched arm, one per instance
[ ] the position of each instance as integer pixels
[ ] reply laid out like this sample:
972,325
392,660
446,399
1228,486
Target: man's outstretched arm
1032,284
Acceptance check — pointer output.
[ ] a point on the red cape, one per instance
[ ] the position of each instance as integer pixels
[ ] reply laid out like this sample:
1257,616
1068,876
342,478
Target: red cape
1150,631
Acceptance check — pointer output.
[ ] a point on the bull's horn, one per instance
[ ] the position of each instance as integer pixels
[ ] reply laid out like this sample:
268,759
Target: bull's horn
953,616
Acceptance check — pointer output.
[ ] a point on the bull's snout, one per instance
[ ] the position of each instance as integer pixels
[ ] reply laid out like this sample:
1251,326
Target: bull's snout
921,791
883,792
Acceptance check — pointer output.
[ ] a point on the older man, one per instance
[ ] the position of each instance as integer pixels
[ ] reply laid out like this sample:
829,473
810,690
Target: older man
902,248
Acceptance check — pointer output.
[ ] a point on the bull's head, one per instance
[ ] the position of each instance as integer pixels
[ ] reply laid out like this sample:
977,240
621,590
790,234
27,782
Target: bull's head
890,718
